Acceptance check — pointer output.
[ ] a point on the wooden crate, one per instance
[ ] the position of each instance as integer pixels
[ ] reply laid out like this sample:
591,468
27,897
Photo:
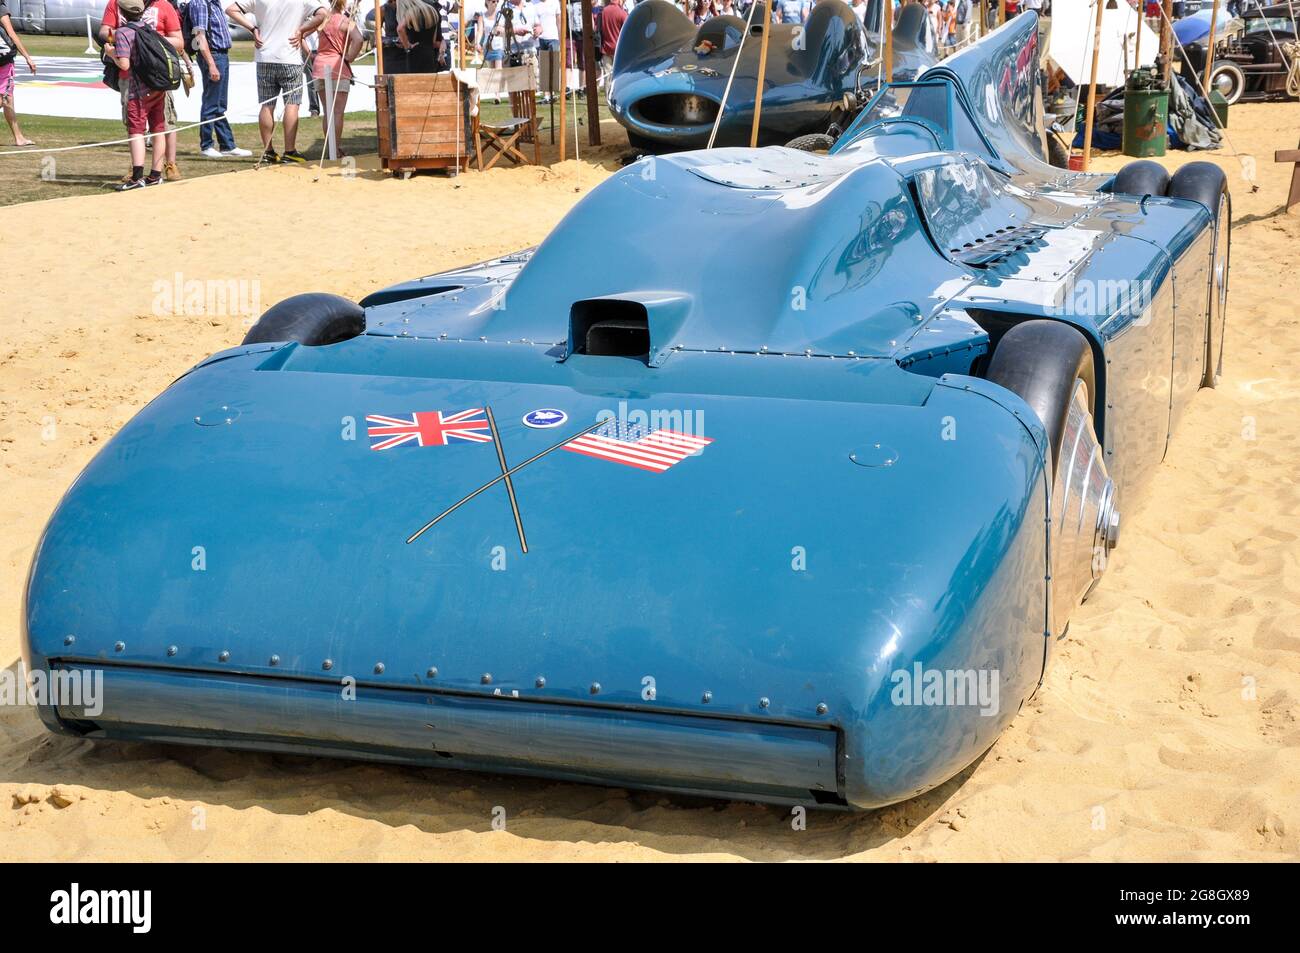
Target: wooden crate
421,120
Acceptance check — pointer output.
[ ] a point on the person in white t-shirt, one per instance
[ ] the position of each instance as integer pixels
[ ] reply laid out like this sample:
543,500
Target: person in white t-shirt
278,27
546,14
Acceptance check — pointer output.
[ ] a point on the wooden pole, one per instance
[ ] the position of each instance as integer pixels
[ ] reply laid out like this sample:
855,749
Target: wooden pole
1002,12
564,71
1137,47
589,67
1209,51
762,73
379,40
460,35
1092,88
887,27
1166,39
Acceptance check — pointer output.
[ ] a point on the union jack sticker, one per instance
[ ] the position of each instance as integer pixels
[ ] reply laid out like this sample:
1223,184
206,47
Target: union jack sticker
428,428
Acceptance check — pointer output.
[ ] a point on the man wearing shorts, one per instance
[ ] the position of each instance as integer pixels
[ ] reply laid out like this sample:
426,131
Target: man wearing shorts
278,30
162,16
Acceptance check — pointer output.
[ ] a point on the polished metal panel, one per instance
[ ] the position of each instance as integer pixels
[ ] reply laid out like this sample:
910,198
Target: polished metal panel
1193,311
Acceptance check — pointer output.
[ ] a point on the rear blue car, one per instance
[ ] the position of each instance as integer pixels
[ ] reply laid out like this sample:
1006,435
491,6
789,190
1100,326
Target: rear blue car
788,504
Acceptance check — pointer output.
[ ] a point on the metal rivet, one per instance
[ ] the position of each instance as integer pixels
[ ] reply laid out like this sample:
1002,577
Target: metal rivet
432,672
327,664
540,682
706,697
822,708
486,678
379,668
224,656
275,660
119,647
764,702
69,639
595,688
171,650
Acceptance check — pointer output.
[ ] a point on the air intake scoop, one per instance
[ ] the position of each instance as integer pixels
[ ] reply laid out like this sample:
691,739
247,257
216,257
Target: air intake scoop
640,325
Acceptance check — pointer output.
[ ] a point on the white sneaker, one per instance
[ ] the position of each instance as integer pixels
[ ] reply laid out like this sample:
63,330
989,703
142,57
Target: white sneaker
210,153
236,153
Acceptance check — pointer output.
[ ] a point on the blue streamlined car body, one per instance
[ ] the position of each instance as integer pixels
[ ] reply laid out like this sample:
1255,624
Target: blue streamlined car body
787,501
670,77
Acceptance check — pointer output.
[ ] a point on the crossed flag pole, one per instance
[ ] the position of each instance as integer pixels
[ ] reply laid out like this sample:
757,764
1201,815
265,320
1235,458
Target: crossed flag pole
506,473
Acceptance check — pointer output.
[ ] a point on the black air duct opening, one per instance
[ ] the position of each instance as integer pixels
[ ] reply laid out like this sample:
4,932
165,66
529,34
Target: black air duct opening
610,328
677,109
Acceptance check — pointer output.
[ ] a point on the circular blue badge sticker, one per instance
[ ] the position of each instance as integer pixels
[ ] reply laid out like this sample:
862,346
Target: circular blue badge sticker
544,418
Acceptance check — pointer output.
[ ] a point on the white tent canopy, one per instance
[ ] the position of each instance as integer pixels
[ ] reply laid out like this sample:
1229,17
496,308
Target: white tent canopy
1070,44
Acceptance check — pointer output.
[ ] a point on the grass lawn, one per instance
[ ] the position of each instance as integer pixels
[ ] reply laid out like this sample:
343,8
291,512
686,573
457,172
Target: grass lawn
30,179
37,176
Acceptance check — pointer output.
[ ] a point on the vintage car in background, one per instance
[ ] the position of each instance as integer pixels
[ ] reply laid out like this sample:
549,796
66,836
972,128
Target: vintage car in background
670,77
1256,57
767,475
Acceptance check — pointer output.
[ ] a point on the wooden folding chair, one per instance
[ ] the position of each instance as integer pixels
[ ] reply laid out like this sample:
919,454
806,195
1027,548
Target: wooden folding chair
506,138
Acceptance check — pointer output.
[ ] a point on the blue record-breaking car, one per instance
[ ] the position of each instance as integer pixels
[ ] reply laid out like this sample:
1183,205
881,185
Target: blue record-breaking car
673,82
788,499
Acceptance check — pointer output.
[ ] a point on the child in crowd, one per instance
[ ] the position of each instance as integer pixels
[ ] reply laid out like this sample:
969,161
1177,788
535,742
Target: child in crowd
145,108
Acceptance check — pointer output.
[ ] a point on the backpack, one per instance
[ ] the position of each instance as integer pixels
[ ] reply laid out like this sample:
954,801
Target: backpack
187,29
155,64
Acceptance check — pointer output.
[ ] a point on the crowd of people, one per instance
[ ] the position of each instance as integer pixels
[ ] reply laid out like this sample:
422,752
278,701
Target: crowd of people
151,48
307,47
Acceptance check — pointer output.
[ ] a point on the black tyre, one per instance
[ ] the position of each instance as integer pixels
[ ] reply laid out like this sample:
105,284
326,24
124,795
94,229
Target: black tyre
1202,182
642,146
1205,182
1227,77
814,142
1143,177
312,319
1057,152
1041,361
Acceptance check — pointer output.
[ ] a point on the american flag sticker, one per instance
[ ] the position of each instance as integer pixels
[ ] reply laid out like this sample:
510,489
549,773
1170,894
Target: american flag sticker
428,429
637,446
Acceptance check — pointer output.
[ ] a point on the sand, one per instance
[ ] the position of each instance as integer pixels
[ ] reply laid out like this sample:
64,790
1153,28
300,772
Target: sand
1166,729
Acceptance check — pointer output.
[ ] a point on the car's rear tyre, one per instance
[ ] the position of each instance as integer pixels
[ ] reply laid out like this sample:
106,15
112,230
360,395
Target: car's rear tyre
1058,154
1041,362
813,142
313,319
1206,183
1142,177
1227,77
